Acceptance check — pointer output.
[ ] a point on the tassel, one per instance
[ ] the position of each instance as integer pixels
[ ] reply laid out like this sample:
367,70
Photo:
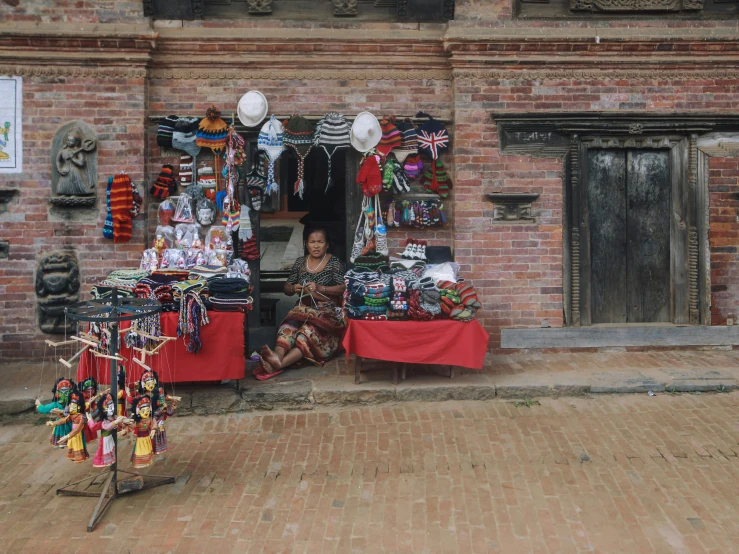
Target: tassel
299,188
271,184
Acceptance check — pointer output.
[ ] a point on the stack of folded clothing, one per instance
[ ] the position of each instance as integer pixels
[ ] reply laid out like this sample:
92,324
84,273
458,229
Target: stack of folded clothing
159,285
354,298
376,299
230,294
415,266
423,299
398,307
458,300
208,272
123,279
372,261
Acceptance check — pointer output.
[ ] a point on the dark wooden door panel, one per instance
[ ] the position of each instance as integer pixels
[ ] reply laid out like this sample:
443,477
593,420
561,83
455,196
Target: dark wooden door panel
607,214
648,236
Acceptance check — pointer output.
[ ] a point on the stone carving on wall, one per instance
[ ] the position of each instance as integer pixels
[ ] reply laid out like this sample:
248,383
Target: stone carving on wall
74,166
260,6
57,286
635,5
345,7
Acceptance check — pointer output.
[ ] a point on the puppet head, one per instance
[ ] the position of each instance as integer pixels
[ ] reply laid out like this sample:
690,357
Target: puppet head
62,389
107,405
141,407
149,382
89,388
76,402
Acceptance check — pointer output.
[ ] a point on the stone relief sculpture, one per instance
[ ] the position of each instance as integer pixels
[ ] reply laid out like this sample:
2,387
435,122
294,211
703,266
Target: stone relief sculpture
57,286
74,166
635,5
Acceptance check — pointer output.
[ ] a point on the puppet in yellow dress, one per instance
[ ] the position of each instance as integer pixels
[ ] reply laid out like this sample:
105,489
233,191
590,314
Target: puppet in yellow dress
75,439
143,431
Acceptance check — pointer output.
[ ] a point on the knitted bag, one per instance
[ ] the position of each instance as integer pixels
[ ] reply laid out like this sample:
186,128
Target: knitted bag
380,231
359,234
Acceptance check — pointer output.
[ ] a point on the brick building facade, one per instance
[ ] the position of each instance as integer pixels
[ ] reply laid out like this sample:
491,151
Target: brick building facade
109,65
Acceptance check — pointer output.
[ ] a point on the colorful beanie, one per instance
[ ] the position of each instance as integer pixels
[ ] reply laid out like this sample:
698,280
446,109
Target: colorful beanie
437,180
432,140
271,142
165,183
299,135
390,136
184,136
413,166
212,131
165,131
408,140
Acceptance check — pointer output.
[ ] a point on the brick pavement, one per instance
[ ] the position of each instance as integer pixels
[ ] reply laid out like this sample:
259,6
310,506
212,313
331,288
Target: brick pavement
610,474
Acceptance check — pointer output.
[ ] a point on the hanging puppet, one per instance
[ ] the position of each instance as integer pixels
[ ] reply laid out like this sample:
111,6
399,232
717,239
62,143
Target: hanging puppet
143,431
105,455
149,382
60,391
75,439
124,393
161,412
89,388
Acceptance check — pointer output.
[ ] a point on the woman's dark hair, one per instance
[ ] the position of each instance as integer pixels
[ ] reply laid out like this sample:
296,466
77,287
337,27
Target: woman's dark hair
316,229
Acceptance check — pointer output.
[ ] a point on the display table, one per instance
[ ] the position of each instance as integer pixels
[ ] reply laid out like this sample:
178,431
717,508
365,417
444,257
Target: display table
222,356
437,342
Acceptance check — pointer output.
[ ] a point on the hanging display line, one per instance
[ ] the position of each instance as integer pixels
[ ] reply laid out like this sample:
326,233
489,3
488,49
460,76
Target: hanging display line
112,311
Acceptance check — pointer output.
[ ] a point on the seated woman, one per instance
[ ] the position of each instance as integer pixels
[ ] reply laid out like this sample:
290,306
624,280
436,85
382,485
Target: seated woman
314,328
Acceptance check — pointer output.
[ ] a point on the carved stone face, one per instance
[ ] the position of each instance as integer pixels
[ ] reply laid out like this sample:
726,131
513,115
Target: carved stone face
72,140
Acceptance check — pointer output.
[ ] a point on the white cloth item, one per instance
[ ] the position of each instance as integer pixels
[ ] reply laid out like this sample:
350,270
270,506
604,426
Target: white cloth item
252,108
245,230
365,132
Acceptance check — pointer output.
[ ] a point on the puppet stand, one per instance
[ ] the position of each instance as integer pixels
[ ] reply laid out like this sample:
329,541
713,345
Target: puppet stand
112,311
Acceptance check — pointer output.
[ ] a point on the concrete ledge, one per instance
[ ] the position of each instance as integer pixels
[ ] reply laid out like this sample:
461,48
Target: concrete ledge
599,336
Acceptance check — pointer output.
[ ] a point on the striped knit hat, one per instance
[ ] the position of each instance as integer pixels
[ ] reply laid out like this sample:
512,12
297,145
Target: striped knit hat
299,135
408,141
212,131
437,180
390,136
271,141
184,173
332,133
165,130
184,135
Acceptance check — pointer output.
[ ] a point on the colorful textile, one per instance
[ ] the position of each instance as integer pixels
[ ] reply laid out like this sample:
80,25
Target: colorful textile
317,333
121,201
108,225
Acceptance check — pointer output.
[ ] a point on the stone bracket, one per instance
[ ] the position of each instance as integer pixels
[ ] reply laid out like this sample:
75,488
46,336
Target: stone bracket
512,206
5,198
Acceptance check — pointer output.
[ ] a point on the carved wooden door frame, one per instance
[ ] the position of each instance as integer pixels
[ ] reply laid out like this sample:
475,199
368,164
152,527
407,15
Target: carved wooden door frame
689,260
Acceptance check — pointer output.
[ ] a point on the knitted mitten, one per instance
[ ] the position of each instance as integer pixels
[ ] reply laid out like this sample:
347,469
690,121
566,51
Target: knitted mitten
165,184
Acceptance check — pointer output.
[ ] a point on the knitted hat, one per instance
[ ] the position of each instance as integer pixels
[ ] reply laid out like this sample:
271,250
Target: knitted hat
183,137
413,166
255,186
299,135
390,136
432,137
332,133
408,140
108,225
165,183
366,132
372,261
212,131
252,108
270,140
165,130
184,173
437,180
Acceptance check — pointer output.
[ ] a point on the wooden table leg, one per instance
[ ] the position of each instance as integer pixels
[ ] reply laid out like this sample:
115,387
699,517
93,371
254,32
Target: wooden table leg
395,374
451,372
357,369
402,375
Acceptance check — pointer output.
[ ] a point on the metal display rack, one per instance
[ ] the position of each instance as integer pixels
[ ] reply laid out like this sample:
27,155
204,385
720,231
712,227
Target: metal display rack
112,311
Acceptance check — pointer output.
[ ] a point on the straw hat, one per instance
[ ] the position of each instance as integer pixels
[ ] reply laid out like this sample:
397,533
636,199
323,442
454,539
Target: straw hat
252,108
366,132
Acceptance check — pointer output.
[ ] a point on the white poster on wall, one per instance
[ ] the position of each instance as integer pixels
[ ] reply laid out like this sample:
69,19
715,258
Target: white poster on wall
11,131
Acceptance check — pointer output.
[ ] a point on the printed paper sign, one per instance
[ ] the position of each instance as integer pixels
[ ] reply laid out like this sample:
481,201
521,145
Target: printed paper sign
11,143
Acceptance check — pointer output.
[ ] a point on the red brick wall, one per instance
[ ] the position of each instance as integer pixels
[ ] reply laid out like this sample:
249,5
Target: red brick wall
724,239
73,11
114,109
518,268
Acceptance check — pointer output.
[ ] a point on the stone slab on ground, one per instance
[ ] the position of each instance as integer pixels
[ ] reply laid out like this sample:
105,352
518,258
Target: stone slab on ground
504,376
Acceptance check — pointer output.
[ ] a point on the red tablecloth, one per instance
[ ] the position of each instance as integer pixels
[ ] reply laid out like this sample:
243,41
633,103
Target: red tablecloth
222,355
442,341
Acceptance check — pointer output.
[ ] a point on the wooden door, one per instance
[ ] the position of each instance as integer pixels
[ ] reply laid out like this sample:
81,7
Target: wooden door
627,204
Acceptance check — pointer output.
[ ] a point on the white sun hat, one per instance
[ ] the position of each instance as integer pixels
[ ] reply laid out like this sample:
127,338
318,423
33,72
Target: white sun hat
252,108
366,132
